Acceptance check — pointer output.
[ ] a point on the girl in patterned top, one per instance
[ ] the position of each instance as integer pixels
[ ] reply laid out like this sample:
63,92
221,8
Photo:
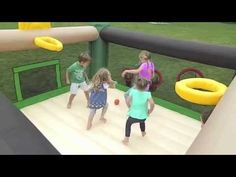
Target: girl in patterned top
101,81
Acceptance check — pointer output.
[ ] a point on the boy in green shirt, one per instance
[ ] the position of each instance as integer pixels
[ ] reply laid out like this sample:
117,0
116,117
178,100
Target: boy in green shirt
137,100
76,75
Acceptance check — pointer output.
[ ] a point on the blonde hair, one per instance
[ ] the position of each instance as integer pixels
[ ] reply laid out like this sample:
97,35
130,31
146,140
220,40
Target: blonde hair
102,75
84,57
145,53
140,83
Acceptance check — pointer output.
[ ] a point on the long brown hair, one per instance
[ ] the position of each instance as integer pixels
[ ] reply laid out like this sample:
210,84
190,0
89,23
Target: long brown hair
102,75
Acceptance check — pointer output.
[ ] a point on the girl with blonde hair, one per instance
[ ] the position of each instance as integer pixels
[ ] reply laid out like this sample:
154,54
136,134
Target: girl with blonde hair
101,81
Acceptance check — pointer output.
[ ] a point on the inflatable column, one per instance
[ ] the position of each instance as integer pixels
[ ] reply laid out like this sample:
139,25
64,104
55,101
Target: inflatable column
99,51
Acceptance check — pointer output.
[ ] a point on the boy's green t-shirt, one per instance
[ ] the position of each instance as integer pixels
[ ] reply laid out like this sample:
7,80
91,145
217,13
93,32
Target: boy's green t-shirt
139,103
77,73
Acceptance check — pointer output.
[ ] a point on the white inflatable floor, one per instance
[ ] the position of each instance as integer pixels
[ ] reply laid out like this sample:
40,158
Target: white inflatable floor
168,132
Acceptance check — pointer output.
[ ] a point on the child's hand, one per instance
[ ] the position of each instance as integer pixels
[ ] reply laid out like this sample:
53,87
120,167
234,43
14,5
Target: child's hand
123,73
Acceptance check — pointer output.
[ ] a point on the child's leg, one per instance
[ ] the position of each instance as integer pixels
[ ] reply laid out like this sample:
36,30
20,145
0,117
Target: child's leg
72,96
129,122
104,110
85,87
87,96
90,118
73,91
142,127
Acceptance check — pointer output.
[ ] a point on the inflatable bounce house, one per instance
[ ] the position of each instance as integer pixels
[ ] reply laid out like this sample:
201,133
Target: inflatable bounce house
42,124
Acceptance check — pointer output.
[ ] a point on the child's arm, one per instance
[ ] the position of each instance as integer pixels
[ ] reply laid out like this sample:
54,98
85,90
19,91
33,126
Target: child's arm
132,71
152,105
128,101
86,77
67,77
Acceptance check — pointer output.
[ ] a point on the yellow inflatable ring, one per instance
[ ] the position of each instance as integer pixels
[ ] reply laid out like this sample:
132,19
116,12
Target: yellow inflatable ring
48,43
210,94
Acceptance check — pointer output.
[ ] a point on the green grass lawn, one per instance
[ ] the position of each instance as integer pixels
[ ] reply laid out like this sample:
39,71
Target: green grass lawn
120,57
215,33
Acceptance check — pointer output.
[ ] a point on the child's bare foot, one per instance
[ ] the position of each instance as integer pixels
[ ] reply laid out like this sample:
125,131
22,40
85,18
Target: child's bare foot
89,125
68,106
143,133
103,119
125,141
